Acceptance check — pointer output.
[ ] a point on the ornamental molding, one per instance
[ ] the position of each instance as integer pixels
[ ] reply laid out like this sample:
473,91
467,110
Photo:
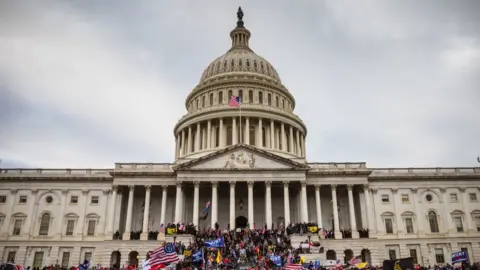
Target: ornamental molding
240,160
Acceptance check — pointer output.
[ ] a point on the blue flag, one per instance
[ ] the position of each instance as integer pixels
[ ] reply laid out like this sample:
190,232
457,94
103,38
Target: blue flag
197,256
217,243
277,260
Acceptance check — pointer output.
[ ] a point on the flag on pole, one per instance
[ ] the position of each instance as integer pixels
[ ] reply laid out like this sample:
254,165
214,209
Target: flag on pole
355,260
206,209
163,255
293,266
234,101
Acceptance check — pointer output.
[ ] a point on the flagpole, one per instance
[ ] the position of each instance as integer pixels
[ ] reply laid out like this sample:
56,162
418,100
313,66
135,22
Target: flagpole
241,130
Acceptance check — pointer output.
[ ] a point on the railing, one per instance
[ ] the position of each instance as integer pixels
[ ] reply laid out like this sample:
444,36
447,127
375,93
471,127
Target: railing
444,170
56,172
136,166
337,165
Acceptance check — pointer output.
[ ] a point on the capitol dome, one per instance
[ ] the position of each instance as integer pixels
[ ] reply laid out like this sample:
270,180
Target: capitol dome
265,119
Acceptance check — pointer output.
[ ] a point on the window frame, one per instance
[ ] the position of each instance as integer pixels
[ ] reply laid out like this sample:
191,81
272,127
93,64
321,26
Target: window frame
407,196
383,196
93,199
453,197
74,199
22,197
3,199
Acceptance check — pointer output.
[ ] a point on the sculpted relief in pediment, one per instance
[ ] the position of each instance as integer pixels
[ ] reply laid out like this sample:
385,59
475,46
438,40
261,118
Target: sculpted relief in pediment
239,160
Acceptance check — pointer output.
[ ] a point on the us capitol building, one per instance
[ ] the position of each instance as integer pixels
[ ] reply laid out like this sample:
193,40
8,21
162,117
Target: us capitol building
253,169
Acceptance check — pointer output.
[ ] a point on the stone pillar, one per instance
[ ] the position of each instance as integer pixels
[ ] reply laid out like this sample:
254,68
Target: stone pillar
260,134
197,138
214,204
196,186
304,203
282,138
351,210
272,134
286,203
336,222
178,203
268,204
177,146
250,204
221,134
209,134
234,131
183,148
146,213
302,140
291,140
370,219
299,150
247,131
189,140
232,205
318,203
128,224
111,212
161,234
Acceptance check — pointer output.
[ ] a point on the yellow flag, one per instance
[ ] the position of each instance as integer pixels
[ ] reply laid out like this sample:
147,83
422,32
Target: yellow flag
219,257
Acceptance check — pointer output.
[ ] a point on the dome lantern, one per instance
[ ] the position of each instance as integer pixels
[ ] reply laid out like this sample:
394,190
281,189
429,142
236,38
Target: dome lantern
240,35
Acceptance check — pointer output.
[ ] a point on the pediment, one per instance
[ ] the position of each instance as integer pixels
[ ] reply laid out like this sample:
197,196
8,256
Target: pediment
241,157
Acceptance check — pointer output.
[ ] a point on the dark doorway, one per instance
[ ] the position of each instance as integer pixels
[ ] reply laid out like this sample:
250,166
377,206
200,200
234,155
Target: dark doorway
241,222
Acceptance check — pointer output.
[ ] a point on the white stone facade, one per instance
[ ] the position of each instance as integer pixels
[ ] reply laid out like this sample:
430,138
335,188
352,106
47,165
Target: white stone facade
258,173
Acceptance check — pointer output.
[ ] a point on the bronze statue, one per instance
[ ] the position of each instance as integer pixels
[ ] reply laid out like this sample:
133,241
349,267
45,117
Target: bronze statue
240,14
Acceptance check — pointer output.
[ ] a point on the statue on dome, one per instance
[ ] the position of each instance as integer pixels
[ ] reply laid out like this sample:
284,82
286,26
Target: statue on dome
240,17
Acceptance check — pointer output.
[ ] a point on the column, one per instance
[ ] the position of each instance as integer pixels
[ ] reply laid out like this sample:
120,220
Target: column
283,139
260,133
189,140
161,234
250,204
304,210
232,205
272,134
268,203
197,138
318,203
303,146
111,212
234,131
291,140
286,203
336,222
299,151
177,146
182,148
209,134
146,213
351,210
370,219
178,203
470,225
214,204
221,131
196,186
128,225
247,131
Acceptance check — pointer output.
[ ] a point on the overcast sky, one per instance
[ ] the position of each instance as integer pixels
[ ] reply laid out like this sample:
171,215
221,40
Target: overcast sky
90,83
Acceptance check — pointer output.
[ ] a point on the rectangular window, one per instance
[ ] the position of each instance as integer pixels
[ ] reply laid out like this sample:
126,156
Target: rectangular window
388,225
439,257
392,254
385,198
66,259
464,249
458,223
91,227
3,199
413,255
70,227
405,198
94,200
88,256
453,197
22,199
473,197
477,222
17,227
409,225
74,199
38,260
11,256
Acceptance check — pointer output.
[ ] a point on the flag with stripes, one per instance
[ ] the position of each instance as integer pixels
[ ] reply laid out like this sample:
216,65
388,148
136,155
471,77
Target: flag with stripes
293,266
234,101
355,260
163,255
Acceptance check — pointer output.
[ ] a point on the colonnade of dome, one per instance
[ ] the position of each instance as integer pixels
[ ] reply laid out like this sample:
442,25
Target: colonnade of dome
265,118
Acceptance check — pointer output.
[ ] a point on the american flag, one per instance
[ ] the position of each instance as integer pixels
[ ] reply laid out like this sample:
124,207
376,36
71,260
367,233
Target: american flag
234,101
355,260
163,255
293,266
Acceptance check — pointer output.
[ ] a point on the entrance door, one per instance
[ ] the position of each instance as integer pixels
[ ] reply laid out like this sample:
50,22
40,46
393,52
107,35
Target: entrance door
241,222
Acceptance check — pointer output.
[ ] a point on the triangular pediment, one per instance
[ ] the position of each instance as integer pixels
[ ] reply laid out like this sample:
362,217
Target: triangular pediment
241,157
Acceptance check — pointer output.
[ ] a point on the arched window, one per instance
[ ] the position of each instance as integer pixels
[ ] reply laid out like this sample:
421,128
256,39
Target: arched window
211,99
203,101
260,97
220,97
250,96
198,104
44,224
240,94
432,218
229,94
277,101
269,99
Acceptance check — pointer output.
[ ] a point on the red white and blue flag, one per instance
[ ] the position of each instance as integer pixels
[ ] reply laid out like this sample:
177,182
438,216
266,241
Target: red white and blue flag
234,101
163,255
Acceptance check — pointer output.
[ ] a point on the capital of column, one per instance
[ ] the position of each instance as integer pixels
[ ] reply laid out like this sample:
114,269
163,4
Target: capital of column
268,183
250,183
317,187
462,190
179,184
164,187
365,187
232,183
196,184
34,191
13,190
286,183
214,183
443,190
64,191
105,191
148,187
334,187
114,188
394,190
414,190
373,190
85,191
349,187
131,187
303,183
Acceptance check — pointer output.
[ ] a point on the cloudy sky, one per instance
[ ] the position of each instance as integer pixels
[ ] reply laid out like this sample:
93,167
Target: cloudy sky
90,83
